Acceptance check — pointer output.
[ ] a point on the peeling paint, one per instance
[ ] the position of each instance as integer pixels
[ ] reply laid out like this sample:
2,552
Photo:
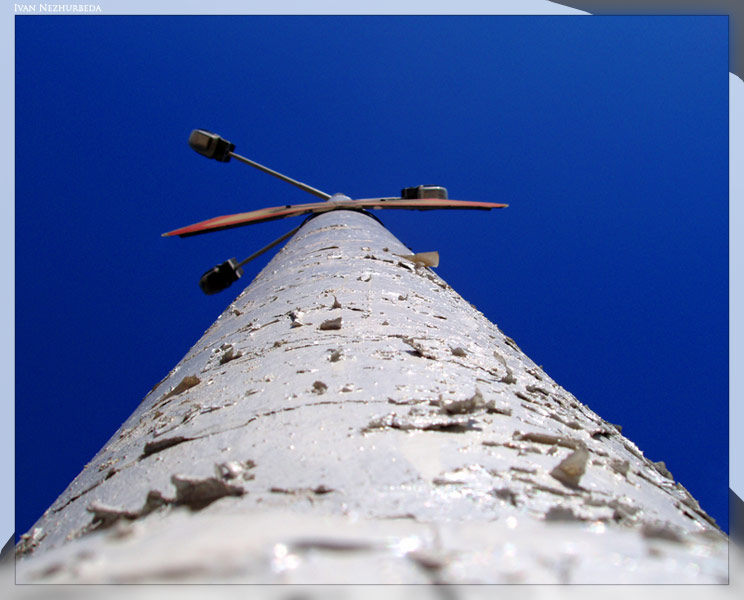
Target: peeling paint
423,259
570,470
319,490
662,531
510,342
235,469
545,438
229,353
185,384
198,493
561,513
472,404
105,516
661,468
331,324
295,318
155,446
533,389
509,377
507,495
319,387
620,467
419,347
423,422
29,541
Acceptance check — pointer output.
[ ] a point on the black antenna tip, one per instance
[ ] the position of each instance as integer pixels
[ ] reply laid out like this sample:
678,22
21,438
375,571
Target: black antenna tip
220,277
210,145
424,191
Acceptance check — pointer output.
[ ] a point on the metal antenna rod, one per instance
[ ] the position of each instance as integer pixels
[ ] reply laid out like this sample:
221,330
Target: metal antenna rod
213,146
270,246
222,276
299,184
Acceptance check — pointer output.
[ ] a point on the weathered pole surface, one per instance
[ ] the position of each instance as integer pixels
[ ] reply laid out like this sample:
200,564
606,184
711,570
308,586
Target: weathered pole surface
351,419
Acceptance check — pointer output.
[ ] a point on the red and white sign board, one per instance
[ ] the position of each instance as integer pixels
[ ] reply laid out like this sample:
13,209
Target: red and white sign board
281,212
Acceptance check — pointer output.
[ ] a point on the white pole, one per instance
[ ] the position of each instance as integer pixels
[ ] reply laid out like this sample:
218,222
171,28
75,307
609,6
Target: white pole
351,419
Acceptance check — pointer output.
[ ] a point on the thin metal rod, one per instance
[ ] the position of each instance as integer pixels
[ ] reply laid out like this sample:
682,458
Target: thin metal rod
270,246
294,182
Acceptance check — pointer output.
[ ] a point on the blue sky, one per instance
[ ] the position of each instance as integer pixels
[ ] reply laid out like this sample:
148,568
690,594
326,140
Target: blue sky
608,137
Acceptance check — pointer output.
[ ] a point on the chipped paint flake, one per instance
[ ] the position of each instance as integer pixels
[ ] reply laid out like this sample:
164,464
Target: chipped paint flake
423,259
155,446
229,353
331,324
198,493
185,384
295,318
571,469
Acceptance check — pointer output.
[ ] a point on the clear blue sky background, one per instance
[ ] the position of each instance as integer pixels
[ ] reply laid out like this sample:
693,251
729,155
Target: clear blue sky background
608,136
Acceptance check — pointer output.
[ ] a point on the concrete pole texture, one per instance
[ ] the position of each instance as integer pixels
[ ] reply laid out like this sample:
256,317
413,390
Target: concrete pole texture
351,419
